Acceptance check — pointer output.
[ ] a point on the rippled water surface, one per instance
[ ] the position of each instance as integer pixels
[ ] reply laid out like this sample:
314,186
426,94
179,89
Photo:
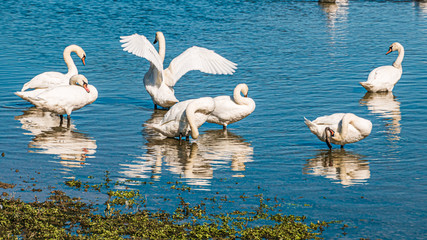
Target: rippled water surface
299,59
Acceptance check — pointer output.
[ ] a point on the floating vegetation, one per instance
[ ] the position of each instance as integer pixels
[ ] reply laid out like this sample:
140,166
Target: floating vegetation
125,216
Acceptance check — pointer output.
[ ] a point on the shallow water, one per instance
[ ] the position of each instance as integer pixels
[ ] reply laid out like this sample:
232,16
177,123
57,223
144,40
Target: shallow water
299,59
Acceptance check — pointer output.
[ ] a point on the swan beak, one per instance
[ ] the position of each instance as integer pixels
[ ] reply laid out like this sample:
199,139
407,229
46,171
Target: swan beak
155,41
83,60
86,88
329,133
389,51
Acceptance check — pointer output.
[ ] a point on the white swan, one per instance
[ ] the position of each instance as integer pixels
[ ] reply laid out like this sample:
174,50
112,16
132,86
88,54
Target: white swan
52,79
383,79
64,99
185,117
340,128
159,82
232,109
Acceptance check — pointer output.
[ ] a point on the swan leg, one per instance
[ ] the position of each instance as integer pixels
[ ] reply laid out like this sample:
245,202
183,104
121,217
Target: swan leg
155,106
342,146
224,127
187,138
68,121
61,120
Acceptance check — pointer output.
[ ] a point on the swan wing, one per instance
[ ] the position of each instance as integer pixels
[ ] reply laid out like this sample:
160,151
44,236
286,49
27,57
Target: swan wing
197,58
329,120
26,95
46,80
141,47
64,99
384,75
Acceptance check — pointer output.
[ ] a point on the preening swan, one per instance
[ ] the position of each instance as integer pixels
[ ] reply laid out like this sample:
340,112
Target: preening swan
232,109
159,82
52,79
340,128
63,99
383,79
185,117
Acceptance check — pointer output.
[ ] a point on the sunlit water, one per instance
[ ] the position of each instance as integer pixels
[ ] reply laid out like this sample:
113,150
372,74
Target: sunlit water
299,58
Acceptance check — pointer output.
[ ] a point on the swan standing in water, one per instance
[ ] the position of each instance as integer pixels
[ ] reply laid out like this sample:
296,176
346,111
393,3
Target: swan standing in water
383,79
185,117
52,79
232,109
159,82
63,99
340,128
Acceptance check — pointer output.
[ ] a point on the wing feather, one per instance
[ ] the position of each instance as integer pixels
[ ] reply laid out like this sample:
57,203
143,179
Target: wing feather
141,47
197,58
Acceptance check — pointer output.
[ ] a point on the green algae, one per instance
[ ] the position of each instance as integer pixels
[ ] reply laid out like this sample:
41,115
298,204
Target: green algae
125,217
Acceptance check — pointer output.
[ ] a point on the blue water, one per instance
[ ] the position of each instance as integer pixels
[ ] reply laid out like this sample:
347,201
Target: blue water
299,59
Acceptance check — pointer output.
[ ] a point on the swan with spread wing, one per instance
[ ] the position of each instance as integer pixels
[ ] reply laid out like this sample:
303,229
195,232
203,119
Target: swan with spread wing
159,82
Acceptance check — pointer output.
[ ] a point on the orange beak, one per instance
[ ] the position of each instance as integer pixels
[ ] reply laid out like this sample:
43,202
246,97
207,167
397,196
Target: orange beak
389,51
83,60
86,88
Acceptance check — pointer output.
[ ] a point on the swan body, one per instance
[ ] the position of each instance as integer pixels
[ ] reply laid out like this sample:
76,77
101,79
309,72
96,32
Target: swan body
232,109
340,128
383,79
185,117
63,99
52,79
159,82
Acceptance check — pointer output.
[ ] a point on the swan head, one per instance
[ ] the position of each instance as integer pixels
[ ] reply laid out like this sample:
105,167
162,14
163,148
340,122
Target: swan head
158,36
79,51
329,133
82,55
245,89
242,88
394,47
80,80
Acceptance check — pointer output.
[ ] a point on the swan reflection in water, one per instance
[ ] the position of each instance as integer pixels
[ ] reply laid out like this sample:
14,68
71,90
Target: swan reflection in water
195,161
335,12
338,164
421,6
71,146
385,105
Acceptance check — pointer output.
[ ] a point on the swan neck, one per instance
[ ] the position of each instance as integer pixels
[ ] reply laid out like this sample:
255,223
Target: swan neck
162,46
238,98
190,114
399,59
346,120
72,69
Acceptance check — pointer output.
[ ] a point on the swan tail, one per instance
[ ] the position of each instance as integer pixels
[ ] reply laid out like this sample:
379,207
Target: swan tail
24,95
25,87
310,124
19,94
368,86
